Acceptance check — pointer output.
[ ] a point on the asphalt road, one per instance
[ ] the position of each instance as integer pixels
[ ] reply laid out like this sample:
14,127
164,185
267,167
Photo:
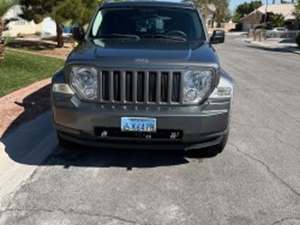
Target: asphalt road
255,181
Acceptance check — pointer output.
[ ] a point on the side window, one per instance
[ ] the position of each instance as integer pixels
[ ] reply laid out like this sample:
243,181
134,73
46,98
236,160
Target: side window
97,23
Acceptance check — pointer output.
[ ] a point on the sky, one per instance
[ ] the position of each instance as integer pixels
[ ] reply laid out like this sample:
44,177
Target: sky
235,3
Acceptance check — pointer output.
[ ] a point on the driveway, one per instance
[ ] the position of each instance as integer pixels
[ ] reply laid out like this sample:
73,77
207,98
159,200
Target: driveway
256,181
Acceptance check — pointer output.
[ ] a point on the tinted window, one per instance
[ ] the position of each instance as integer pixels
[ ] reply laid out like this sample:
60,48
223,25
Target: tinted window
147,21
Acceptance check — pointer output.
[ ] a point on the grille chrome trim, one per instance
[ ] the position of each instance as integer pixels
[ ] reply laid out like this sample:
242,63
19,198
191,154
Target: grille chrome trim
158,88
146,87
170,89
111,86
140,86
123,87
134,87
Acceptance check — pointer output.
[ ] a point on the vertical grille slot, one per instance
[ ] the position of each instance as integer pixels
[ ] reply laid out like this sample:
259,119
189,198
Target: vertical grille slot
128,86
152,86
164,87
140,86
117,85
105,85
176,87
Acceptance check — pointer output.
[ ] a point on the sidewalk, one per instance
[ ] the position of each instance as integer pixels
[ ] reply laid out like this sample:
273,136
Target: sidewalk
276,44
24,105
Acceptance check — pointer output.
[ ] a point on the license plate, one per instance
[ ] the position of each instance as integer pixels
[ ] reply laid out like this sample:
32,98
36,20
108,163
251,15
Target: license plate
138,124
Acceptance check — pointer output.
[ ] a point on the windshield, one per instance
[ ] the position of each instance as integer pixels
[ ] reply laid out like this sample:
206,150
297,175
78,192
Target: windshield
183,24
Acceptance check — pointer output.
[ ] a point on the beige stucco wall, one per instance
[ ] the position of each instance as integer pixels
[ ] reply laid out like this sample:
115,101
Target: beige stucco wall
224,26
24,27
229,26
251,20
21,27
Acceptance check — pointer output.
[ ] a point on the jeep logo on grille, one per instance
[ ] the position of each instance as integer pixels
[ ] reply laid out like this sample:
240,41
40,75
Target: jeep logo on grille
141,60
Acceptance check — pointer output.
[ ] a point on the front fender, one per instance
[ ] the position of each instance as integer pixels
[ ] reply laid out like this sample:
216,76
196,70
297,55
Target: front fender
58,77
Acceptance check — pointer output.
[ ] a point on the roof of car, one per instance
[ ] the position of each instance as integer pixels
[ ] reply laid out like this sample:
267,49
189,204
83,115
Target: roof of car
150,3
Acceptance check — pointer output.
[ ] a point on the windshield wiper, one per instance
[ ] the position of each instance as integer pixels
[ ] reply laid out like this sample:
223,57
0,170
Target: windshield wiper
115,35
165,36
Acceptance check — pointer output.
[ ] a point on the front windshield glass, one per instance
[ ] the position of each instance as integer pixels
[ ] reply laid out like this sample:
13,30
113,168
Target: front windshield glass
147,23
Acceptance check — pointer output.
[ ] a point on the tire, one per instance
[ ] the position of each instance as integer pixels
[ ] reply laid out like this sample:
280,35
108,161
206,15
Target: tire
209,151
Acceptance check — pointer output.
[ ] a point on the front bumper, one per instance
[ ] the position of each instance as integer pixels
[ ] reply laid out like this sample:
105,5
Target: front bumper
194,126
89,140
204,124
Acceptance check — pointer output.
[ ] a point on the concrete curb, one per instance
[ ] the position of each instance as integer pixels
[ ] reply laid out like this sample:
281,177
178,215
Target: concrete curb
36,53
278,48
9,110
294,51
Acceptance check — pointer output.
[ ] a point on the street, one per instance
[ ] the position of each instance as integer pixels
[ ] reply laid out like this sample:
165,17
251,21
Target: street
255,181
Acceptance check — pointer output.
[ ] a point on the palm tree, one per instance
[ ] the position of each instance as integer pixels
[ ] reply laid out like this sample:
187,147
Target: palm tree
4,6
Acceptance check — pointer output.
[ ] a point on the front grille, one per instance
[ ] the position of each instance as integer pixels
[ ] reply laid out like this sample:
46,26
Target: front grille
133,87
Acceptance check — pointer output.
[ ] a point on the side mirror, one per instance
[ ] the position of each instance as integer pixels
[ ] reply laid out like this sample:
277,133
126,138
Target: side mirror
217,37
78,33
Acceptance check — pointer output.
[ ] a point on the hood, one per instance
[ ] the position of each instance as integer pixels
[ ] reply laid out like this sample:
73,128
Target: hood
128,52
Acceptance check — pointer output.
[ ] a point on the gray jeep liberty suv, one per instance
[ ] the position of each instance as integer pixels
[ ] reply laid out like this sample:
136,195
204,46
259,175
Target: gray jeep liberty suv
144,75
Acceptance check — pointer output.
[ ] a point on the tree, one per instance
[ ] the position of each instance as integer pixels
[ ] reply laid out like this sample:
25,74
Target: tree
203,5
61,11
221,9
4,6
244,9
277,20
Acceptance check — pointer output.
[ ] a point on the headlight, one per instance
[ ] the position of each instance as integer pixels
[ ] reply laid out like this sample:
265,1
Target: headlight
196,84
84,80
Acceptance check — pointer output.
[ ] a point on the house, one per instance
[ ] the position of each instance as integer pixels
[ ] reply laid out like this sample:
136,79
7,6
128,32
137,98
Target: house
257,17
16,25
